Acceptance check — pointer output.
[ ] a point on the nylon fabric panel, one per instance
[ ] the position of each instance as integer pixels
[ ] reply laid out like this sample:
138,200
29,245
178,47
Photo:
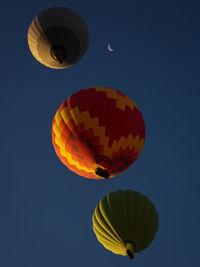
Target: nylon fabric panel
133,218
130,215
73,168
58,26
104,233
114,248
105,104
102,134
144,232
112,207
142,240
138,201
106,225
70,140
64,140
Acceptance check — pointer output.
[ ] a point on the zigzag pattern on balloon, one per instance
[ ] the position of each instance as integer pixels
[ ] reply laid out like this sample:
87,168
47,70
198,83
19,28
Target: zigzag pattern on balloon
121,99
84,123
104,104
81,160
83,141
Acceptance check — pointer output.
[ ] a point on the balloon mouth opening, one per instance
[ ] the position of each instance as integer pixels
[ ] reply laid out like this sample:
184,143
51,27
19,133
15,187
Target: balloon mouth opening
102,173
58,53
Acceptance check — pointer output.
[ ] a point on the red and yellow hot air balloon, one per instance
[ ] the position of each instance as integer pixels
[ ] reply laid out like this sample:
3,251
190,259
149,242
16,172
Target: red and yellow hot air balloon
98,132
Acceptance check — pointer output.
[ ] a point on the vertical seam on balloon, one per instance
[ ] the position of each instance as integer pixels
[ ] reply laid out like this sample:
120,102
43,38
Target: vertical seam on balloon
64,149
108,221
101,221
109,237
68,103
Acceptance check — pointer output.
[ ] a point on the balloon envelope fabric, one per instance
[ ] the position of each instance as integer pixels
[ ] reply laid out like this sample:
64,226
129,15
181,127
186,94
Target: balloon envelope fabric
58,37
98,132
125,222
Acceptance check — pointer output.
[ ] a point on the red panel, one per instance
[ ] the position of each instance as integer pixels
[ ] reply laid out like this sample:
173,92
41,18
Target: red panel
98,105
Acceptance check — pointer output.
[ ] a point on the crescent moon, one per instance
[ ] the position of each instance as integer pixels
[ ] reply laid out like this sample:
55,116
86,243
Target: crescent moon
110,48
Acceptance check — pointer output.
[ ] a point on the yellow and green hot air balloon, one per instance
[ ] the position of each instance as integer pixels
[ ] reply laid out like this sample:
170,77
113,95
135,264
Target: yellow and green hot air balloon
125,222
58,37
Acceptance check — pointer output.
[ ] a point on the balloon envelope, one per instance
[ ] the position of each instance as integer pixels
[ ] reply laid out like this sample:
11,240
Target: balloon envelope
98,132
58,37
125,222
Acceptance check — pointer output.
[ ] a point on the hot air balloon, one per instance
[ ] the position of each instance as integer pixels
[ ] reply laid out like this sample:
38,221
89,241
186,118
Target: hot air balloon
98,132
58,37
125,222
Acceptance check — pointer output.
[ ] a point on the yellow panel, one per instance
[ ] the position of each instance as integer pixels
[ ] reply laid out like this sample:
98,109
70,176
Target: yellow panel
93,123
68,156
99,131
121,101
114,249
59,142
123,143
138,143
58,117
57,130
66,115
89,123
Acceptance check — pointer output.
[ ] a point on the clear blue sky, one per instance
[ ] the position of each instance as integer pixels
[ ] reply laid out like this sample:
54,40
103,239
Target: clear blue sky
45,209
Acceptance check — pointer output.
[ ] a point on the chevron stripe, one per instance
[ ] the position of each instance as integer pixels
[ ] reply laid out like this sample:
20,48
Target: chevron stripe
73,167
60,141
121,100
99,105
123,144
69,157
85,139
99,131
90,123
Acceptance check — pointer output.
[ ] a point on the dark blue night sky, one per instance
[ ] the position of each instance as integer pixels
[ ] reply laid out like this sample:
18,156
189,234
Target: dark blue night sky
45,209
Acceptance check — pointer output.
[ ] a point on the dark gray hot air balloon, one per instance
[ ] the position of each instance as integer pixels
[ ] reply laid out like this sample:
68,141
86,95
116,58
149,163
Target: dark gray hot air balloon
58,37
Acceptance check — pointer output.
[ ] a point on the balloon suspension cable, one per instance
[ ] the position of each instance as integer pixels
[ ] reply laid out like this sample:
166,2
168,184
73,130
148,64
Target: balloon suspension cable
129,250
102,172
58,53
